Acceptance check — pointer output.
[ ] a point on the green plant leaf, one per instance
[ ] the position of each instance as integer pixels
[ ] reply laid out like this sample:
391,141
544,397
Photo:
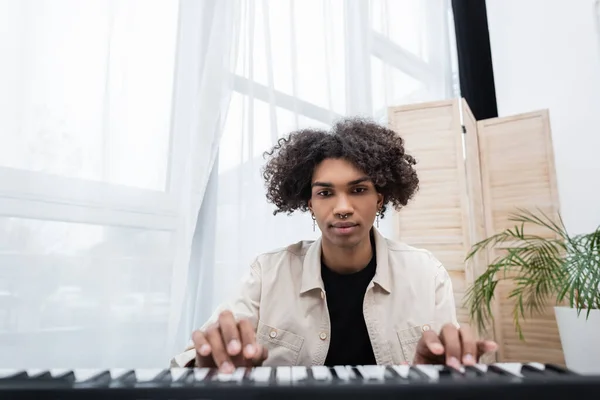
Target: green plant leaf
539,268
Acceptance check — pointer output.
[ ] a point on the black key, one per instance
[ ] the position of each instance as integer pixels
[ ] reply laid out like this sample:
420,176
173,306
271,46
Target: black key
99,378
531,372
449,373
558,370
471,372
42,375
14,375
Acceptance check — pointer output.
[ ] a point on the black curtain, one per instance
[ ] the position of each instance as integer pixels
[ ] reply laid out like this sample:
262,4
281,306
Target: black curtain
475,57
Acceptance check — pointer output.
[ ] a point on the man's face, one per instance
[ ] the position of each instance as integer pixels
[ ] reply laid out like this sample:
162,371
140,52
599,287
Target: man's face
344,202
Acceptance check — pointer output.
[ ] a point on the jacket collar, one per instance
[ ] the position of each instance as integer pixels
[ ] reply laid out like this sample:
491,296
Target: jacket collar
311,267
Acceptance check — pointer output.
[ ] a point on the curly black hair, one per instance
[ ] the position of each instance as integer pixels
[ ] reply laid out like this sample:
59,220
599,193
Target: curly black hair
372,148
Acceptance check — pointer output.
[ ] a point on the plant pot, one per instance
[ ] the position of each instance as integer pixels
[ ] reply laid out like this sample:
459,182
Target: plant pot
580,339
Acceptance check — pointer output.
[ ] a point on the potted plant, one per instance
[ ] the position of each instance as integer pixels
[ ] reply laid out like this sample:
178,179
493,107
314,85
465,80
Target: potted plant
556,267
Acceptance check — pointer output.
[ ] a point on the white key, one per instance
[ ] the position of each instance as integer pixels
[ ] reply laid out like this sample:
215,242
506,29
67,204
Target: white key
5,373
58,372
482,367
177,373
283,374
116,373
375,372
147,375
402,370
299,373
321,373
222,377
261,374
537,365
235,376
200,374
238,374
82,375
342,372
511,368
432,371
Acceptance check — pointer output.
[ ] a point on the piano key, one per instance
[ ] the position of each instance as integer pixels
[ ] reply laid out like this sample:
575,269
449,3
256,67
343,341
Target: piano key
58,373
472,372
481,367
342,372
88,374
558,370
283,374
451,373
261,374
200,374
537,365
36,373
119,373
299,373
239,374
13,374
179,373
432,371
402,370
510,368
321,373
148,375
374,372
236,376
528,370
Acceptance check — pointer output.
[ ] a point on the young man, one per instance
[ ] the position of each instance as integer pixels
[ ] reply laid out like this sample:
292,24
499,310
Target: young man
352,297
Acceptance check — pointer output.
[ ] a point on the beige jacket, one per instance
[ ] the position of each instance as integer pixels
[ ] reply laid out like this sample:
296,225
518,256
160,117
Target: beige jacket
283,295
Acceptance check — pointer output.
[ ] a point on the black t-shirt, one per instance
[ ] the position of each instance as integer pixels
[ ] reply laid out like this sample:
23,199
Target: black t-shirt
349,342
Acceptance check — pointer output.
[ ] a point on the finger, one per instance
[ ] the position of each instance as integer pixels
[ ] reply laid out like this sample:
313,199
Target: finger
230,333
432,343
486,346
203,350
429,349
219,352
469,346
246,329
261,355
450,338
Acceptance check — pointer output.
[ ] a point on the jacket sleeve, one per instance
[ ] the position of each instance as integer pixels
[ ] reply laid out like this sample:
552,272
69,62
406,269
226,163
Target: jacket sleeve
445,307
244,305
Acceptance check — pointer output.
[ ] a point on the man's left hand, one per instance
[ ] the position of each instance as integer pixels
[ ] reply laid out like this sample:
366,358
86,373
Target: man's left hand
453,347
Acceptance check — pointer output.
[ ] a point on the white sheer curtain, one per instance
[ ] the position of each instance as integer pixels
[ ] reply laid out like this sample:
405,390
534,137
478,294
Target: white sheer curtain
117,235
305,64
111,113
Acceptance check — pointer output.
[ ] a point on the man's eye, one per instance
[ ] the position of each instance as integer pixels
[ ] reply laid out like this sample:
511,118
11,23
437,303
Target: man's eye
324,193
360,190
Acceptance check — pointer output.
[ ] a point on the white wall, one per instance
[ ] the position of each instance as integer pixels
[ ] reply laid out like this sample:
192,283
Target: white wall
546,54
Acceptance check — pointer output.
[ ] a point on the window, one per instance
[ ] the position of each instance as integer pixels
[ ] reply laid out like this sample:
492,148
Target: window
87,219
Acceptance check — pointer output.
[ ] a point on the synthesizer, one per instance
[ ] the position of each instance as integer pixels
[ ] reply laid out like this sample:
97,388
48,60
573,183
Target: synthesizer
482,381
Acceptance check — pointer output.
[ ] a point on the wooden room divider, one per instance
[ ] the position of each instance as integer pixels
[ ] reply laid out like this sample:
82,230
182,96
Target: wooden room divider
473,174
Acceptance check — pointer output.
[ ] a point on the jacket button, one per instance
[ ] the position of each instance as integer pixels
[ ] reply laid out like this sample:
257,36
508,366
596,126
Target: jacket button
273,333
323,335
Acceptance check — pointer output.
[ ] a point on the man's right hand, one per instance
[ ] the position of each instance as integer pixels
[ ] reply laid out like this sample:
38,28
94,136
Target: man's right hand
228,344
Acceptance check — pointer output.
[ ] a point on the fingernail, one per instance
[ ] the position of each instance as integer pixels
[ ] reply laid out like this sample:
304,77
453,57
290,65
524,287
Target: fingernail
234,347
453,362
204,350
468,359
492,346
249,350
226,367
437,348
